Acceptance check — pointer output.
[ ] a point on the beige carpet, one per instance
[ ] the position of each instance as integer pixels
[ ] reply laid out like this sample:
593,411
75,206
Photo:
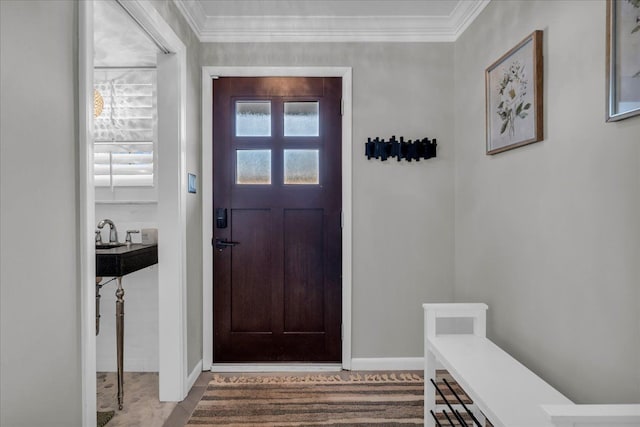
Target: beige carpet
356,399
142,407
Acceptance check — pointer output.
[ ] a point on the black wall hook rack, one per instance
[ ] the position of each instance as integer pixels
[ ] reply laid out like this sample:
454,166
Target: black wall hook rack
408,150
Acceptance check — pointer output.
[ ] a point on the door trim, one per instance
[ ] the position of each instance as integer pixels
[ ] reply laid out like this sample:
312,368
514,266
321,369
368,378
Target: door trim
86,217
212,72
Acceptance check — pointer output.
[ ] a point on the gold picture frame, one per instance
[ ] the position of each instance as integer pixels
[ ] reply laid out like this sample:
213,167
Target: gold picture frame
513,86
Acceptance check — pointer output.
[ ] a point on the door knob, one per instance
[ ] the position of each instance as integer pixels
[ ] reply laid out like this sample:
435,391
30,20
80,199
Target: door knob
221,244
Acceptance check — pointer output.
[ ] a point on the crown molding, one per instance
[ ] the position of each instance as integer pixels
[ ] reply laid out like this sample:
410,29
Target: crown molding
225,29
194,13
464,14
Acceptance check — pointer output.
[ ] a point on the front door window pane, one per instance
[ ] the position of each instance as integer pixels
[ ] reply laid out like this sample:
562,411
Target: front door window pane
301,119
301,167
253,118
253,166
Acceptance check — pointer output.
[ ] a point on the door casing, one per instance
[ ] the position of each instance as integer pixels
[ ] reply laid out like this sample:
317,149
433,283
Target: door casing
208,74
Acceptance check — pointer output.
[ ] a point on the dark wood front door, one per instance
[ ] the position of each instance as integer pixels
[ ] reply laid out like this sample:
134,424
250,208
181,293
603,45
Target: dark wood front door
277,219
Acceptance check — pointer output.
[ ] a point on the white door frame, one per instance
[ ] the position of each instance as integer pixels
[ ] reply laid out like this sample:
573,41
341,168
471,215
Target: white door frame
172,72
86,217
212,72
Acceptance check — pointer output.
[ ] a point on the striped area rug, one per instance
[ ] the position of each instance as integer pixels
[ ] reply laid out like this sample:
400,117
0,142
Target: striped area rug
344,399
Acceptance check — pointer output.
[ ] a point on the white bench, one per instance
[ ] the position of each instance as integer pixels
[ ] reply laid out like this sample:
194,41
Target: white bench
503,389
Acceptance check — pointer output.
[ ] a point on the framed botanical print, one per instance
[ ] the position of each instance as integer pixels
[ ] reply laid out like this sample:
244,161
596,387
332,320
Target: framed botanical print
623,59
514,96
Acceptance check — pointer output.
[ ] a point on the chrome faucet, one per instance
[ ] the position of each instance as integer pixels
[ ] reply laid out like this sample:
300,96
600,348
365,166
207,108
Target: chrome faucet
113,233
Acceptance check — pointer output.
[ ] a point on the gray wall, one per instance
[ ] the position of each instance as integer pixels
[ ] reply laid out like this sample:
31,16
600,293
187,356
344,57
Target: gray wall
39,292
549,234
168,10
402,212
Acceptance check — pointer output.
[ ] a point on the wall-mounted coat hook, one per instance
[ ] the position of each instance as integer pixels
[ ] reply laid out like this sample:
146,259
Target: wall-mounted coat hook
408,150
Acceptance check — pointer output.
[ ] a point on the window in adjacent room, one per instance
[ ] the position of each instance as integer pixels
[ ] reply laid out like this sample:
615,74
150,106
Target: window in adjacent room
125,127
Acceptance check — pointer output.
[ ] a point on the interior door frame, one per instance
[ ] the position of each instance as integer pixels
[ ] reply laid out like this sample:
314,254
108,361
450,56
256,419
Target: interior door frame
174,380
209,73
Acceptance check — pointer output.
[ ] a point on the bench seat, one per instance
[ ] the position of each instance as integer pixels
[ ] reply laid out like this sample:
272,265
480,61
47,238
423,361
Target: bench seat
506,391
503,390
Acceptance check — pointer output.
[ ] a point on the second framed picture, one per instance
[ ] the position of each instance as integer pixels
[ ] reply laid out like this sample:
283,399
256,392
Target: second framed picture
623,59
514,96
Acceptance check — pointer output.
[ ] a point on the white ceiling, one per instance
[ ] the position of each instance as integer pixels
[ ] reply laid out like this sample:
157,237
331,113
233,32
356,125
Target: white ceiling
118,40
329,20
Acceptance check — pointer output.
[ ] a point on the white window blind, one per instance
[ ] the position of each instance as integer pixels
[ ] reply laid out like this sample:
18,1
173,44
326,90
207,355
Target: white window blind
125,127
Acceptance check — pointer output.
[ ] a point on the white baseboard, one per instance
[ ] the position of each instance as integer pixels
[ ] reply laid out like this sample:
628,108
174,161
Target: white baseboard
193,376
276,367
357,364
387,364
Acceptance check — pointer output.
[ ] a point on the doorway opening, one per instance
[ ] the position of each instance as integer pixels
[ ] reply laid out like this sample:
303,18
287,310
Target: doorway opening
170,215
209,75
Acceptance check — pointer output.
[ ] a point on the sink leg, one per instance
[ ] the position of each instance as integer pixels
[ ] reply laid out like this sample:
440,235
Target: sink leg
98,280
120,340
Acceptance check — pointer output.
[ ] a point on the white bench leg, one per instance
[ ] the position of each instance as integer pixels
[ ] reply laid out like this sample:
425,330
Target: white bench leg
429,391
